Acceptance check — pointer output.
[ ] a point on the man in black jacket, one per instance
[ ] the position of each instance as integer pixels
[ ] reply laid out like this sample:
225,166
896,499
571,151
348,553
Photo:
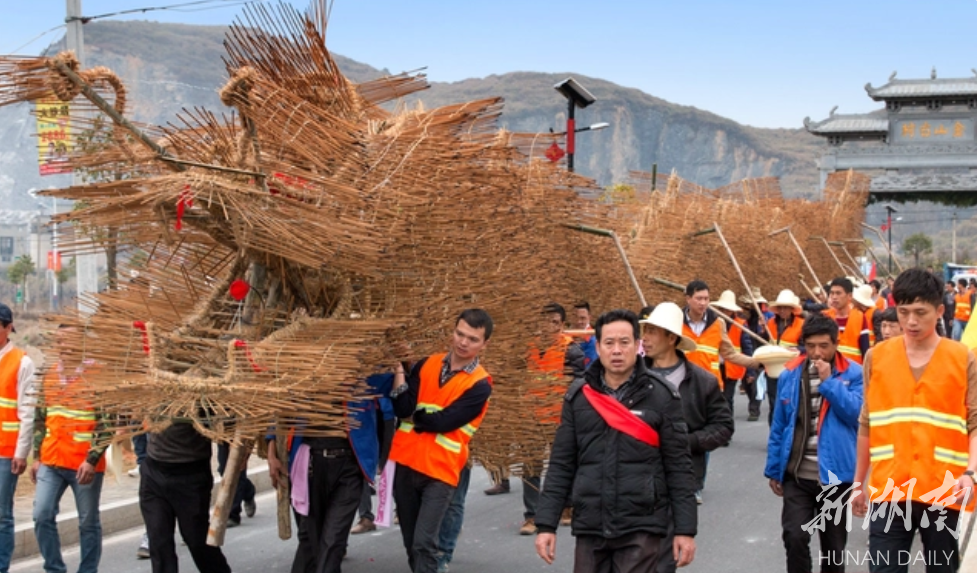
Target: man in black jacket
622,448
706,410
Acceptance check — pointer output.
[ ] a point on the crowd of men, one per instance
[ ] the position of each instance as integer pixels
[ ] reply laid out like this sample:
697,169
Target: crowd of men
873,409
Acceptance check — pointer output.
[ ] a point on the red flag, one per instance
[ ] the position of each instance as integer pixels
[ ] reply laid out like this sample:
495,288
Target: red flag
871,273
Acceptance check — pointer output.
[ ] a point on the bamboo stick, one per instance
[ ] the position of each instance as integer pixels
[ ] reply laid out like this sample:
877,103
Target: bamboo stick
800,252
749,291
620,250
225,494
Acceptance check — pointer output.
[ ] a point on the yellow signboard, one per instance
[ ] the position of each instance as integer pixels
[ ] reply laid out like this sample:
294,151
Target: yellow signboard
53,136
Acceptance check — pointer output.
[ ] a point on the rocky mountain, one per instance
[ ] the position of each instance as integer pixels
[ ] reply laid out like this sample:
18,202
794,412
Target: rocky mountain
168,67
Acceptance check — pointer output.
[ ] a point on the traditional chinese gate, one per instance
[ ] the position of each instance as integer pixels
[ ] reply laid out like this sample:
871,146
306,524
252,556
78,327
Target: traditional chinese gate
923,141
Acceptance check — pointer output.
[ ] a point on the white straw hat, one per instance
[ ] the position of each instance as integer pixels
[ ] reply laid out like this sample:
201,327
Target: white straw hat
773,358
670,317
863,295
727,301
786,297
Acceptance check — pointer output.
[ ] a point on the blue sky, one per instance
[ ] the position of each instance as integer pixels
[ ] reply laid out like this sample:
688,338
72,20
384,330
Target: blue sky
760,62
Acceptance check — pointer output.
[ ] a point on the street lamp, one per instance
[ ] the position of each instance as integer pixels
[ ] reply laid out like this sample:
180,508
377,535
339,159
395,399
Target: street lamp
592,127
577,96
888,225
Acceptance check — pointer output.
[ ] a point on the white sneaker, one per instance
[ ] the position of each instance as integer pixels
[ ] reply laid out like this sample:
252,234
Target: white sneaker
134,472
143,551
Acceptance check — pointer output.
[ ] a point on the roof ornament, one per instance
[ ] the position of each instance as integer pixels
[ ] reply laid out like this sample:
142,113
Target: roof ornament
893,76
933,73
974,71
833,110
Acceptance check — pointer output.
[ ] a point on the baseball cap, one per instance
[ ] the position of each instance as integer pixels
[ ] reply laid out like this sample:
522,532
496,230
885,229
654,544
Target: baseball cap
6,315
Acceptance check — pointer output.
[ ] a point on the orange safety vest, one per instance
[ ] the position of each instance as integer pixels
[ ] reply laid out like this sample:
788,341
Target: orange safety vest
69,423
848,339
548,380
706,353
791,337
735,371
917,429
9,418
440,456
961,311
880,303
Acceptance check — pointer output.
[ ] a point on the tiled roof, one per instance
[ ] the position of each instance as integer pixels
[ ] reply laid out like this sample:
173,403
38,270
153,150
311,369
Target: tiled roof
849,123
897,89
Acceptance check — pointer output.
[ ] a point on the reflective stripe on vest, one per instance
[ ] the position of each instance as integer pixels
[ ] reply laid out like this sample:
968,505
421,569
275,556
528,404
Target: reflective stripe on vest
848,338
9,417
439,456
70,422
706,353
917,428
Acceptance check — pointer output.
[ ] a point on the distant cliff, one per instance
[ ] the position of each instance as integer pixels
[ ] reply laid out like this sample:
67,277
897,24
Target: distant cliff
168,67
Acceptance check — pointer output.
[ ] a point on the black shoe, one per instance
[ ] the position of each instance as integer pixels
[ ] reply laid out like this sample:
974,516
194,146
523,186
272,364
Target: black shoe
233,521
501,487
250,508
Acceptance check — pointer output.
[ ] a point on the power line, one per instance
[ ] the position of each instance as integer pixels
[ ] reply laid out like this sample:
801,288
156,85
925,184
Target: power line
213,5
36,38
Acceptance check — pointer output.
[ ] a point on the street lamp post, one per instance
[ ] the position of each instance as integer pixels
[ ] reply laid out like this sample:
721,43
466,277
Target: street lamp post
577,96
888,225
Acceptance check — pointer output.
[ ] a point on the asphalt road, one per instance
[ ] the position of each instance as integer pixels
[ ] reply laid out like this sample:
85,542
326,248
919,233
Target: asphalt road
739,529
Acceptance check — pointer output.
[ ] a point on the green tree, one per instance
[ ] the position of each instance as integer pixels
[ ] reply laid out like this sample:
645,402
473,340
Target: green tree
916,245
18,272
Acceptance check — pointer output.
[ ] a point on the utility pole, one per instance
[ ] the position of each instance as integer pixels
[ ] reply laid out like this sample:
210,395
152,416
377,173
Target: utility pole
889,225
86,265
953,247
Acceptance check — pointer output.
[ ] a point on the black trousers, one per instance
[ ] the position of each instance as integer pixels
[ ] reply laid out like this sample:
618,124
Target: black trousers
421,503
771,398
633,553
892,550
530,496
729,391
754,407
335,485
245,489
178,494
801,506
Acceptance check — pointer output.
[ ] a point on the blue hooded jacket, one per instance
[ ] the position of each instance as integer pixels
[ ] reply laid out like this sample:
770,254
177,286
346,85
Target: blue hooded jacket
838,436
364,438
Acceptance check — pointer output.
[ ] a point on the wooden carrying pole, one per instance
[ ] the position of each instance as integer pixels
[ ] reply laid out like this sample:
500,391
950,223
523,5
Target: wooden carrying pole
717,310
225,494
620,250
868,249
884,244
749,291
844,271
800,251
855,266
284,491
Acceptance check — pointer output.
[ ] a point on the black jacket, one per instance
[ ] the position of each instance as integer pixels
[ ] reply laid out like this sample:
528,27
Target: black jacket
619,484
707,415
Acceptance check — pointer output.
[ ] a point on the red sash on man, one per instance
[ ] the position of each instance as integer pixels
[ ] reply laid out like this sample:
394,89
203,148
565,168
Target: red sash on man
620,418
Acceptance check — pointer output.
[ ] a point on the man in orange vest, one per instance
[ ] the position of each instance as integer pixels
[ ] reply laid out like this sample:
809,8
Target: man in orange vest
917,433
730,372
785,328
861,299
703,326
16,426
962,309
853,338
553,360
69,443
440,407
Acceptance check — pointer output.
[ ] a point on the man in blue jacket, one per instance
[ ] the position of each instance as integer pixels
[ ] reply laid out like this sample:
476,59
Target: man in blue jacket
811,447
336,469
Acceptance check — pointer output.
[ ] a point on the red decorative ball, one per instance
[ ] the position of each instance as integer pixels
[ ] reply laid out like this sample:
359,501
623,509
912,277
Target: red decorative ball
239,289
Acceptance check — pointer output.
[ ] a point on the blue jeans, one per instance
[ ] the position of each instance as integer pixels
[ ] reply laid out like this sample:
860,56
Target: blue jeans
8,484
51,485
453,518
958,327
